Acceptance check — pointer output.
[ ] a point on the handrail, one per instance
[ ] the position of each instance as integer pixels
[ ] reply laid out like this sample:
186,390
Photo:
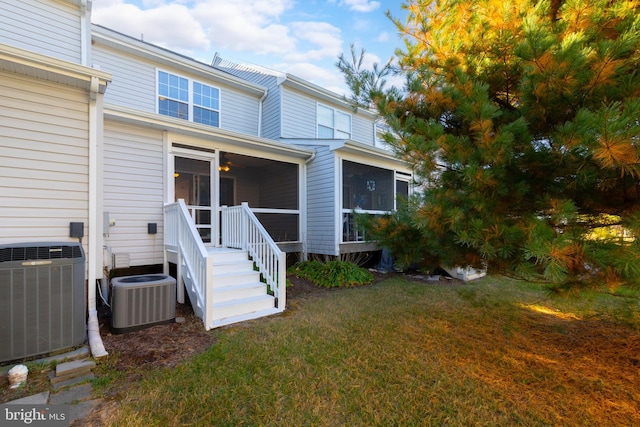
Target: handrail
195,268
242,230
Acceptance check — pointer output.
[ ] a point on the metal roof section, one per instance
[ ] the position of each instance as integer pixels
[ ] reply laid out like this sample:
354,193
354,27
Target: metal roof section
294,82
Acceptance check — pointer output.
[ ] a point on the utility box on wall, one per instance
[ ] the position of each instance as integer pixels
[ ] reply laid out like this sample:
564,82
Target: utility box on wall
42,298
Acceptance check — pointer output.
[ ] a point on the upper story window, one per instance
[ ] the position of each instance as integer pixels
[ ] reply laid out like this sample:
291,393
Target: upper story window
206,104
189,100
173,95
333,124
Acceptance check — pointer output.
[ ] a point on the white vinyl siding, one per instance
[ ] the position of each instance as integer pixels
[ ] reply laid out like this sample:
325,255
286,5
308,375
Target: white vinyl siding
363,130
298,115
46,27
321,204
44,163
133,191
133,84
240,112
271,114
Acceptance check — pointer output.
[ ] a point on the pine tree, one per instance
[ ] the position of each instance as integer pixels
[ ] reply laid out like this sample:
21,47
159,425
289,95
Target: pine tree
523,116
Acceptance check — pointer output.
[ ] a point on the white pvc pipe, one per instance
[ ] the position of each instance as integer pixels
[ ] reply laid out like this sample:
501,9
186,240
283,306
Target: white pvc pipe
93,330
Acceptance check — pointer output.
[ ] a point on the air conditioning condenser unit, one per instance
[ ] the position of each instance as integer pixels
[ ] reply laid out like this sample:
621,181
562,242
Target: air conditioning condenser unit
142,301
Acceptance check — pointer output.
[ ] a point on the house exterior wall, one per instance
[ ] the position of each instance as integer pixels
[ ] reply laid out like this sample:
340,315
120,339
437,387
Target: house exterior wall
362,129
133,191
49,28
299,112
321,203
134,86
271,113
44,166
298,115
134,81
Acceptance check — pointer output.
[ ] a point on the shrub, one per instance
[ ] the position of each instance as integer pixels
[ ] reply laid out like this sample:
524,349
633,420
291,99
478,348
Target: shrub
332,274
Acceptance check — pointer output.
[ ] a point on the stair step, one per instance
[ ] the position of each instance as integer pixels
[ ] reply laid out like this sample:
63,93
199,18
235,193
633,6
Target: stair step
240,278
224,309
232,267
239,292
244,317
227,255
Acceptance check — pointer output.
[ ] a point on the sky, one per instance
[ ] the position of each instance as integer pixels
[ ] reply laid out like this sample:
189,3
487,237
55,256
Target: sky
299,37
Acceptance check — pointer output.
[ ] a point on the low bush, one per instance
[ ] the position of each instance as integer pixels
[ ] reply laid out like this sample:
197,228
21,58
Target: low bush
332,274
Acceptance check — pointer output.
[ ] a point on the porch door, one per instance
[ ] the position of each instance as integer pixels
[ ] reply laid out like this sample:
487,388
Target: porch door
193,184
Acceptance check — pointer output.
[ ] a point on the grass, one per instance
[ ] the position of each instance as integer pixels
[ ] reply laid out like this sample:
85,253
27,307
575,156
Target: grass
493,352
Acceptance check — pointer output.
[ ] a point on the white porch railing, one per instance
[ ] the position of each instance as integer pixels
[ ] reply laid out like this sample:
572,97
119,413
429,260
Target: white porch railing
242,230
194,266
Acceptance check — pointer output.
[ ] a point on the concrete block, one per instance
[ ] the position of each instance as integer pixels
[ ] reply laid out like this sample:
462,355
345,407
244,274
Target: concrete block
80,366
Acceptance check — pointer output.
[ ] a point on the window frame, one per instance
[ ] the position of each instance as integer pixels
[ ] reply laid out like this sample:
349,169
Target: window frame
337,132
191,104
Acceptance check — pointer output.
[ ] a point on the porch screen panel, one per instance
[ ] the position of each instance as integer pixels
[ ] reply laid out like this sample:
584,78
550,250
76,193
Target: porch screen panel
281,227
367,187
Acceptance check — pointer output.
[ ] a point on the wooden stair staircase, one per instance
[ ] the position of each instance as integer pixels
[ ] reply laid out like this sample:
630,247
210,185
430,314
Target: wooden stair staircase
238,293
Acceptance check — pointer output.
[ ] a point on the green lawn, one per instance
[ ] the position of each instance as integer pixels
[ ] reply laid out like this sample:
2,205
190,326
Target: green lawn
407,353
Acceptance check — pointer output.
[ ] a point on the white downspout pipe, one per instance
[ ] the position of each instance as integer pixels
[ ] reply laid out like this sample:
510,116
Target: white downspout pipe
85,23
95,230
264,95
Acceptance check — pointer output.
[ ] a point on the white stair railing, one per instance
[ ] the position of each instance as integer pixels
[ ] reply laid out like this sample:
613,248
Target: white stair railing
195,268
242,230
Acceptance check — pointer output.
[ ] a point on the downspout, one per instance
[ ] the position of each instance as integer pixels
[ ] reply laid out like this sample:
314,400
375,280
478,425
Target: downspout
306,193
84,34
95,242
264,95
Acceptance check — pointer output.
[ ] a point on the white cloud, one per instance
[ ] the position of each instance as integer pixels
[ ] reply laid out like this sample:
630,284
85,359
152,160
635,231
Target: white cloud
185,26
164,25
247,26
361,5
323,40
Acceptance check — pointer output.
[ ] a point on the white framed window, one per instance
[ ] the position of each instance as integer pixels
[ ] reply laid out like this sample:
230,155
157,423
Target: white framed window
188,100
333,124
173,95
206,104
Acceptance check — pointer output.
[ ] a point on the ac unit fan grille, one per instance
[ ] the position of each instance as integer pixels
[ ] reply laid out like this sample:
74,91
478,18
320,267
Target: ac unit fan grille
25,253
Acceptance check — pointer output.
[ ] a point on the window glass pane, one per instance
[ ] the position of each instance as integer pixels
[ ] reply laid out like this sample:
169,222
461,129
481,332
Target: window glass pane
343,123
342,135
325,116
172,86
325,132
172,108
402,189
163,78
205,116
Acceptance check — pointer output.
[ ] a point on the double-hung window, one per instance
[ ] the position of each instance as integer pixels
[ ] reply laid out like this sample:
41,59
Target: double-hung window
189,100
206,104
173,95
333,124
